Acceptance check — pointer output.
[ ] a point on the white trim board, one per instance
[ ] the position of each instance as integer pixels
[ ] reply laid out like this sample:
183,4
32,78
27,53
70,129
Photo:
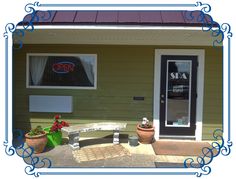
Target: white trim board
200,87
97,26
119,36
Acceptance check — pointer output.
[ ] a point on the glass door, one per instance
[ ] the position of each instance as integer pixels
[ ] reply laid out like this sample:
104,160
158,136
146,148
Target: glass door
178,95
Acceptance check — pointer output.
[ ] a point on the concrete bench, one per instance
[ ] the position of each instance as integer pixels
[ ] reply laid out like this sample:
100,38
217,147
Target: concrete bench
73,132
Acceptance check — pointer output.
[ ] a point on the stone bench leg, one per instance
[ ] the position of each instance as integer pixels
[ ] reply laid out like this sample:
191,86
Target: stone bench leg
116,134
74,141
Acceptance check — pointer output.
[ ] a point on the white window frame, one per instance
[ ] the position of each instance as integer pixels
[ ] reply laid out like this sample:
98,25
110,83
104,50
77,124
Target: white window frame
60,87
200,53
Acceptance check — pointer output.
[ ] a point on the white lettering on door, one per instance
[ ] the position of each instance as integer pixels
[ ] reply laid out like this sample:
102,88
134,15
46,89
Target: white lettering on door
176,76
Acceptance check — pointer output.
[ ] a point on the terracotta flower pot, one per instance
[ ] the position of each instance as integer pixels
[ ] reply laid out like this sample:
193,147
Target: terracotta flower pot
145,135
37,142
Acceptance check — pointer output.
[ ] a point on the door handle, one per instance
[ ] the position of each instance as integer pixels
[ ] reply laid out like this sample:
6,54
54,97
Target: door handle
162,96
162,101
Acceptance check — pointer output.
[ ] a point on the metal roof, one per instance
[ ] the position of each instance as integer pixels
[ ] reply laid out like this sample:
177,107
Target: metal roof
153,18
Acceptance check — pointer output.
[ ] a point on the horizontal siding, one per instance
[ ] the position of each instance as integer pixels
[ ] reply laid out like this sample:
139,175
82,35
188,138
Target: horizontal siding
121,76
212,110
208,130
123,72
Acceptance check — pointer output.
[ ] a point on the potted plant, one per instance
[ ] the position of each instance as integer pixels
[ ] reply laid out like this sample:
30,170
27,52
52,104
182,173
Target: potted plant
36,139
54,134
145,131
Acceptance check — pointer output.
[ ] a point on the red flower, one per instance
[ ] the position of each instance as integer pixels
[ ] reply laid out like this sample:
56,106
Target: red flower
53,128
57,125
64,124
57,116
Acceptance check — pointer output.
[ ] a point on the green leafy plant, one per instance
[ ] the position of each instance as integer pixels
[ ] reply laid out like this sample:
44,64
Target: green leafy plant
36,131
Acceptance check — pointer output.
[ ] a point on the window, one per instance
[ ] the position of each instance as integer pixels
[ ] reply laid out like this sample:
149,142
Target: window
64,71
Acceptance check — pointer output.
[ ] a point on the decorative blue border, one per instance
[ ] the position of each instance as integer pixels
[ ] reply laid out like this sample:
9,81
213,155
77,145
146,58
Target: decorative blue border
6,89
118,173
229,86
26,153
218,31
209,153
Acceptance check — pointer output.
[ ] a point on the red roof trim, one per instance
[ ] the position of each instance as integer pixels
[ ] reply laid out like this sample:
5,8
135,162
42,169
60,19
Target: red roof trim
151,18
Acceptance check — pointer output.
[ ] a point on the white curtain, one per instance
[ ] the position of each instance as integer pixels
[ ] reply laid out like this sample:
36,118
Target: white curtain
88,64
37,66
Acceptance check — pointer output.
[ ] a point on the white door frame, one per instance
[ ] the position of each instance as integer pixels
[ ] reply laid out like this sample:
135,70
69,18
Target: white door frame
200,87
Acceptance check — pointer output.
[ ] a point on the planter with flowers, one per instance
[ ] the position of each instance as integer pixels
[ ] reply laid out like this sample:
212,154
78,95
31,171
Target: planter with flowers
54,134
36,139
145,132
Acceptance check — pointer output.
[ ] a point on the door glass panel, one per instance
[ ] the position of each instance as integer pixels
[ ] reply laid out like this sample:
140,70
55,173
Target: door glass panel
178,93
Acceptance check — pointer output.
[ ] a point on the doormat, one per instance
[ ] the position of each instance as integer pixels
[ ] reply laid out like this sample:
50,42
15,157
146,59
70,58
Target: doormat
99,153
179,148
